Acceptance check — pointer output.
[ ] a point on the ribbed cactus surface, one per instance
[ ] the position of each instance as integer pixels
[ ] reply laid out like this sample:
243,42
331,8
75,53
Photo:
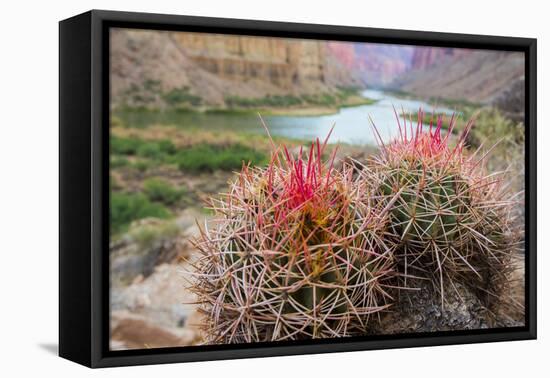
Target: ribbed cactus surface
295,251
451,219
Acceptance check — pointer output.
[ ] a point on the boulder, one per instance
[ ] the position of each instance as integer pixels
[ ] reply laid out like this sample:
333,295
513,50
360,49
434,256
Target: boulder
129,331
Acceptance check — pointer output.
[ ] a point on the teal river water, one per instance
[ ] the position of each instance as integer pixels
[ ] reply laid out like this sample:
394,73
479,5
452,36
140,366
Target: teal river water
352,123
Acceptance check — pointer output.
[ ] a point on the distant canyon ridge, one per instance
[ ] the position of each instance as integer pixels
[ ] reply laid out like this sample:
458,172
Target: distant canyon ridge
207,69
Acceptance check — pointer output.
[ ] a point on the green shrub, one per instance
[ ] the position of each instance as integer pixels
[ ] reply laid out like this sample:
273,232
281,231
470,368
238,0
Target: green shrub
113,183
166,146
146,235
269,100
179,96
156,151
117,122
127,207
125,146
143,165
196,158
344,92
151,149
324,99
491,125
207,157
158,190
151,85
119,161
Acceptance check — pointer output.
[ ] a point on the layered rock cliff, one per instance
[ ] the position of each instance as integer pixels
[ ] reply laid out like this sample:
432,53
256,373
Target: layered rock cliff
213,67
206,69
380,63
424,57
462,74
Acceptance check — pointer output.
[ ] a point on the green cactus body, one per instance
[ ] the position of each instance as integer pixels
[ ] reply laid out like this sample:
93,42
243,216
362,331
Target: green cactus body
294,252
430,205
449,219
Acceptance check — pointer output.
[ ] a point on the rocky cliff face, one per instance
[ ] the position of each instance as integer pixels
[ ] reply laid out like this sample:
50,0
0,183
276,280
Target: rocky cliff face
210,67
382,63
462,74
281,62
424,57
214,66
374,64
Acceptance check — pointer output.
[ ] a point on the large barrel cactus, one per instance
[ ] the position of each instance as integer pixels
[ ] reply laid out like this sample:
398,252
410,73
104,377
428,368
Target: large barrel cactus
452,221
295,250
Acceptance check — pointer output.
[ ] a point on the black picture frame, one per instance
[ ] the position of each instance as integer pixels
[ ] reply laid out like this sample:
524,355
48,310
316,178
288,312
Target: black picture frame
84,187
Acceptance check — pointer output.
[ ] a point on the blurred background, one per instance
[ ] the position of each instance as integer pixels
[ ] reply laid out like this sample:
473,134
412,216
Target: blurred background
184,116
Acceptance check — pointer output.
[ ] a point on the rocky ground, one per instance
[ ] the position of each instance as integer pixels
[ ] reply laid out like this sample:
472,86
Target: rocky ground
420,310
153,309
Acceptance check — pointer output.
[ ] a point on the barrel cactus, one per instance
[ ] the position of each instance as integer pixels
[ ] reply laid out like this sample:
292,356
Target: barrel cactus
452,220
294,251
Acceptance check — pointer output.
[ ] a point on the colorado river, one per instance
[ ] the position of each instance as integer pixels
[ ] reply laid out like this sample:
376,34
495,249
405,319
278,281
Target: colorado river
352,123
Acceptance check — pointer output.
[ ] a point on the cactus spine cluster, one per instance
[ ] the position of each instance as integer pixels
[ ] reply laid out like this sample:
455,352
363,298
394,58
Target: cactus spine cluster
301,250
296,251
451,221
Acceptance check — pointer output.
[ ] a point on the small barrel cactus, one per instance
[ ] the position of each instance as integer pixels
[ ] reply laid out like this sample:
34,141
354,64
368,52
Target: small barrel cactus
295,250
452,220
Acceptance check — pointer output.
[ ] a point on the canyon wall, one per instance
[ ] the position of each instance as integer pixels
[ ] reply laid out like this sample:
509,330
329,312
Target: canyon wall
381,63
213,66
281,62
424,57
462,74
209,68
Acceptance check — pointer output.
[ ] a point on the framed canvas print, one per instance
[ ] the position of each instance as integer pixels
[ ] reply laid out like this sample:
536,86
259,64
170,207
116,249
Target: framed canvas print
234,188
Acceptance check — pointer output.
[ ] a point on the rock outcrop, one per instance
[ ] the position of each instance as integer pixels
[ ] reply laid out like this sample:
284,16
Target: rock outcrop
424,57
421,311
155,311
512,101
380,63
149,303
130,331
461,74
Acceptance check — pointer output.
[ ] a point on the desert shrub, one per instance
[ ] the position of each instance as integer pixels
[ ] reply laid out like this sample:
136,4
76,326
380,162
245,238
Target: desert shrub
143,165
167,147
269,100
114,184
208,157
151,85
119,161
117,122
125,146
158,190
344,92
151,149
282,101
127,207
179,96
323,99
491,125
156,149
146,235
